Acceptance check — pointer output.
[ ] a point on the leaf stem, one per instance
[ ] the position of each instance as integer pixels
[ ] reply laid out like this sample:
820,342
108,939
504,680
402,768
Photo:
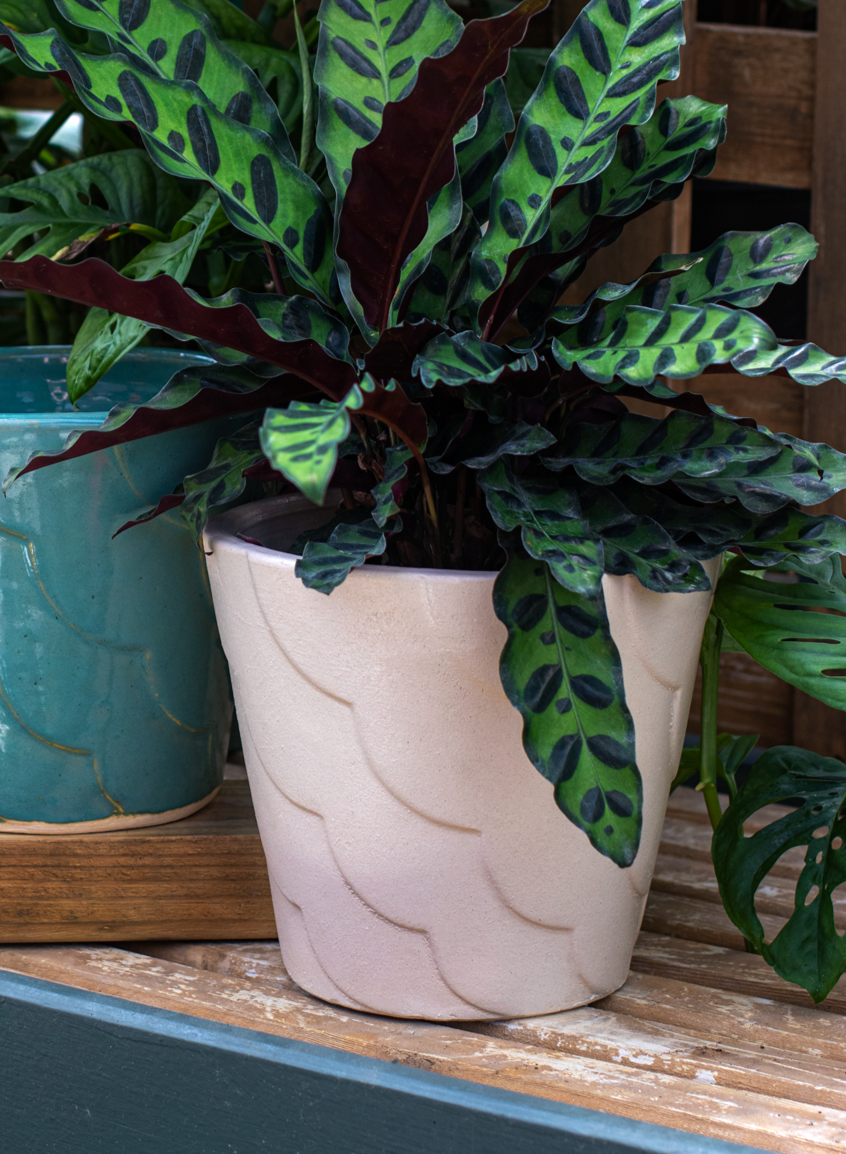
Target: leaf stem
275,274
709,659
458,535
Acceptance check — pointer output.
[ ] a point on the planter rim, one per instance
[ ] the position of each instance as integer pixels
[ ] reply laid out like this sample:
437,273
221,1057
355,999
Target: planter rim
227,526
85,418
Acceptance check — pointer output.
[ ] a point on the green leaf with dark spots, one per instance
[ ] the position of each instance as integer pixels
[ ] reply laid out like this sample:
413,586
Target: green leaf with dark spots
809,950
223,478
457,360
479,157
486,443
176,42
602,76
302,441
560,668
368,54
639,544
325,564
261,189
440,288
807,363
396,470
649,160
552,527
740,268
677,342
709,459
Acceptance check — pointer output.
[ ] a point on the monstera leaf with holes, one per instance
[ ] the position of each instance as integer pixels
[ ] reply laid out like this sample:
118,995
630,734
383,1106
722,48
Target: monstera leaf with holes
406,342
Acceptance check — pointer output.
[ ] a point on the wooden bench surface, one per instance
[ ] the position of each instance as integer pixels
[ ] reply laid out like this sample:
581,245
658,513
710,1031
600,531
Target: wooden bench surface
703,1037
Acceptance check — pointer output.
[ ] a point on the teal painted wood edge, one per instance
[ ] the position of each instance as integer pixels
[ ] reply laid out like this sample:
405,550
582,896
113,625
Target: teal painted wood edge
84,1073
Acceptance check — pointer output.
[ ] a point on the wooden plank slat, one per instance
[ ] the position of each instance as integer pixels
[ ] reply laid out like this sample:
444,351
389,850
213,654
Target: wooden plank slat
629,1041
677,916
761,1120
203,877
724,1015
767,78
718,968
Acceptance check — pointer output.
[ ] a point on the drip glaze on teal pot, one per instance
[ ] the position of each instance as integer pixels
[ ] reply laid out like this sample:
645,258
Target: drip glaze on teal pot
114,692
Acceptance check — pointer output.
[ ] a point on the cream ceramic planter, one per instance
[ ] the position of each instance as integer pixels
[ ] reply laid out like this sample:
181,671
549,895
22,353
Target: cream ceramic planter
418,862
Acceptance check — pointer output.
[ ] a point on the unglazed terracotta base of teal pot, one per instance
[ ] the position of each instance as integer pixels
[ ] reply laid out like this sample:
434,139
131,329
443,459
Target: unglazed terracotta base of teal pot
114,695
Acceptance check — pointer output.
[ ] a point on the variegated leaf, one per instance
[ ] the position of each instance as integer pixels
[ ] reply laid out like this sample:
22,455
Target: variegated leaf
302,441
172,40
444,211
766,539
223,478
480,156
440,289
639,544
708,459
385,492
368,55
487,442
602,76
326,563
561,669
679,342
552,528
662,153
457,360
262,190
740,268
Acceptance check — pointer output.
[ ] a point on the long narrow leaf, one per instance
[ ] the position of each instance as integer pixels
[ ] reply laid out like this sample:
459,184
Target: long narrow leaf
380,225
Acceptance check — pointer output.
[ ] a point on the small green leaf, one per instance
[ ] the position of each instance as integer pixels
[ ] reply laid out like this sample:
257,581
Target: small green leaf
809,949
302,441
560,668
457,360
223,479
396,469
796,631
325,564
551,526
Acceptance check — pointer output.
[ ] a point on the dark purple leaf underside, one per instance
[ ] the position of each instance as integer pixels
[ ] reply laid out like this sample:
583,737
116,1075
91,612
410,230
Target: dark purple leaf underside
379,225
164,303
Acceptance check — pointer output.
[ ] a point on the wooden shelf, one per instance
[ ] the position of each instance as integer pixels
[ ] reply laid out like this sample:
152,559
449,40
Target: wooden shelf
703,1038
203,877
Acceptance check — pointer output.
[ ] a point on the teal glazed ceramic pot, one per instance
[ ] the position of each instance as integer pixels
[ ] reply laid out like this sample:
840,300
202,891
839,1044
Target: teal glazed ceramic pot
115,703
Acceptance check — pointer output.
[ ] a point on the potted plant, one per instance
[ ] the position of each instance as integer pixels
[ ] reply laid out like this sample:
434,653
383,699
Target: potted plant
444,418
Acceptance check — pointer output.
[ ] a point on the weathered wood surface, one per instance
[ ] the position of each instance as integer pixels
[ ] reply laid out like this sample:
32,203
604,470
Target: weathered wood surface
703,1037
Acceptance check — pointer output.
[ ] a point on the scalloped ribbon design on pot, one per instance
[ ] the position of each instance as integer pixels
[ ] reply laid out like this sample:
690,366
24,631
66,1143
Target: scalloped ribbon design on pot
418,862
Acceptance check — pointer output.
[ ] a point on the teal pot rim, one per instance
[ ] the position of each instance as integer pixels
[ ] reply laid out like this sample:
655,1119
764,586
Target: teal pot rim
83,418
